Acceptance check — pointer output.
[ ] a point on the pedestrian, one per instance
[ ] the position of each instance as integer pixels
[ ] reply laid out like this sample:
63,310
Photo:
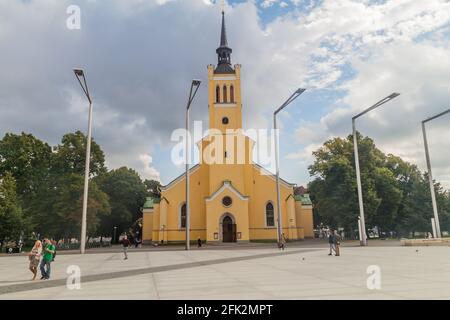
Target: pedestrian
47,258
125,244
35,256
199,242
54,253
136,244
282,244
331,241
337,243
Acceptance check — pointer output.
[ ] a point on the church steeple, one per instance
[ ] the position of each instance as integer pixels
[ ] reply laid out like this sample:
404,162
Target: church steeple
224,52
223,34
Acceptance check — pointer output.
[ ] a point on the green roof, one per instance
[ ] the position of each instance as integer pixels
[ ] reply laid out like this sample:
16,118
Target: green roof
304,198
149,203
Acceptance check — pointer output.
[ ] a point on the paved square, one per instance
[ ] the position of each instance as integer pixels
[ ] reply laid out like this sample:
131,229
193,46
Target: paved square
297,273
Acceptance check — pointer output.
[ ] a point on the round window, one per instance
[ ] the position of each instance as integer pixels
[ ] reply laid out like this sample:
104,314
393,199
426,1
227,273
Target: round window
226,201
225,120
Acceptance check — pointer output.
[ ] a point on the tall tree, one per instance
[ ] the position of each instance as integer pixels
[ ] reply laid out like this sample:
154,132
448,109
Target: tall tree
334,190
395,193
71,156
127,195
12,222
67,207
28,160
153,188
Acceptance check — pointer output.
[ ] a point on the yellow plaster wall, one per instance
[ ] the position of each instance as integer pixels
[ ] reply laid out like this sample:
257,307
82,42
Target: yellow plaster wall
304,218
207,178
264,190
147,225
238,210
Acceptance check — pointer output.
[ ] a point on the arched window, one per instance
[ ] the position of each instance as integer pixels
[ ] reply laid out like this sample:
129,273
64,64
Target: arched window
217,94
270,217
183,216
225,97
232,94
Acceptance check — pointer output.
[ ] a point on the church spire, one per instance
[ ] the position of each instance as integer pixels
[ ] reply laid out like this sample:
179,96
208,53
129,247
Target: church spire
223,51
223,34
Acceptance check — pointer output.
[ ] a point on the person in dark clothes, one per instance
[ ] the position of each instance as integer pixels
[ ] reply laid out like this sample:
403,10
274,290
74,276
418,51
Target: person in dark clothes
199,242
331,241
125,244
136,241
282,244
337,243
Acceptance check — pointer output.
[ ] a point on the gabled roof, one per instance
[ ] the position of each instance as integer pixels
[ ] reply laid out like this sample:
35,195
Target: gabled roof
227,185
272,176
179,178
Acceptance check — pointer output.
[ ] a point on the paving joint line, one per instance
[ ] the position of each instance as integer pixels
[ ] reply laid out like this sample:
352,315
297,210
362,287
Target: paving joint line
45,284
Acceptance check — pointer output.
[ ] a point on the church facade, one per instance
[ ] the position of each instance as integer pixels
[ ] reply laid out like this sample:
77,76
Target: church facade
232,199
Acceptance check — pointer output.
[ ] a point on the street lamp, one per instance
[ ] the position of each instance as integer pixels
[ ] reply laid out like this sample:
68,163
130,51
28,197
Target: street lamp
114,239
363,238
437,229
294,96
195,84
79,74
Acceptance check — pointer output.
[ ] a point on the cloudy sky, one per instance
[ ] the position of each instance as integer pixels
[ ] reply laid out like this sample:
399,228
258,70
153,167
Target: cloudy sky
140,55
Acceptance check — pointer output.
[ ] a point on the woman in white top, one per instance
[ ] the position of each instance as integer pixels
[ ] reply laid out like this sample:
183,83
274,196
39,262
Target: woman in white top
35,256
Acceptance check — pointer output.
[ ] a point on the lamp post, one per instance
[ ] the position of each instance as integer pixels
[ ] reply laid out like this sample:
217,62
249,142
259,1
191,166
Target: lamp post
79,74
194,88
294,96
436,228
114,239
363,237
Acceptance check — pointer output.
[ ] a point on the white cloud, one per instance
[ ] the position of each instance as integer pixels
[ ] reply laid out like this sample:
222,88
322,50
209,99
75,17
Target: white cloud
268,3
149,172
140,56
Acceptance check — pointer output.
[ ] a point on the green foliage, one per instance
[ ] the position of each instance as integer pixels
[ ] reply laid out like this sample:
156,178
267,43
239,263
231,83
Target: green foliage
28,160
67,206
12,222
71,156
127,195
396,194
50,184
153,188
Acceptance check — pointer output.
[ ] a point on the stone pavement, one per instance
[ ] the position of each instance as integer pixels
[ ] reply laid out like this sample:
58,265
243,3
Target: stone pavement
297,273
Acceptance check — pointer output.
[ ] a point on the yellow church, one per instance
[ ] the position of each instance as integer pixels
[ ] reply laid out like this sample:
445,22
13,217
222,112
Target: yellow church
229,200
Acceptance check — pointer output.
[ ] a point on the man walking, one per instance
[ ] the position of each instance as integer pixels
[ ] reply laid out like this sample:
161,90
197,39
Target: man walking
337,243
125,244
47,258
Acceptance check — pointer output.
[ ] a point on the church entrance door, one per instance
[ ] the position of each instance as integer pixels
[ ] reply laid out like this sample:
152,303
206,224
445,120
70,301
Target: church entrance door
228,230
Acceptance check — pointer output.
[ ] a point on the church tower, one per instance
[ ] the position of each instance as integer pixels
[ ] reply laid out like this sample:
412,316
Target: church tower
224,88
231,198
225,121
